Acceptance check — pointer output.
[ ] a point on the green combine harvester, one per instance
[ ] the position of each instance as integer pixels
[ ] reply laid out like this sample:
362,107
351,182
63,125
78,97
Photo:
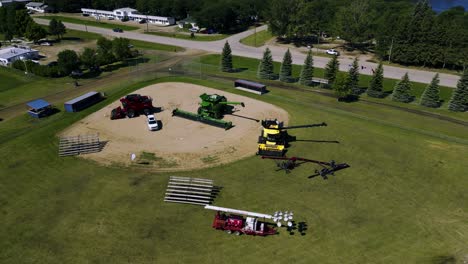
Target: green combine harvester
211,111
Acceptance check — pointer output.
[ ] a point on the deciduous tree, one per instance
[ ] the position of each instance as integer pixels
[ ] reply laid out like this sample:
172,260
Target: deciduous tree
35,32
68,61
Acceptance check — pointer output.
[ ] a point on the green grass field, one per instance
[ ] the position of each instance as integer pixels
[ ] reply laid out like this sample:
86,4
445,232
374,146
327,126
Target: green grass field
403,200
257,40
197,36
247,68
91,23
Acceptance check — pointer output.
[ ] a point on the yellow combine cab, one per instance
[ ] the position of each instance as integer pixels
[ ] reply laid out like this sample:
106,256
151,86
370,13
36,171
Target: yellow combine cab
274,138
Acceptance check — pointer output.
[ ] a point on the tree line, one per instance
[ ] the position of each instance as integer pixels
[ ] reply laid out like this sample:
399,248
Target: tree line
220,15
106,52
398,31
346,85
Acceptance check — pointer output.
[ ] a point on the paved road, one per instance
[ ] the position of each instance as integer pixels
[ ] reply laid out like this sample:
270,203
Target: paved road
277,52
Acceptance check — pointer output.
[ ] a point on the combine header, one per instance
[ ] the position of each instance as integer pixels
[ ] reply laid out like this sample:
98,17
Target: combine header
274,138
328,168
211,111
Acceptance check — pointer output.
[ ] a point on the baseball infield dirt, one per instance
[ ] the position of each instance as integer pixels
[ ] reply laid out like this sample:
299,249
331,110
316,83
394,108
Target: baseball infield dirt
180,144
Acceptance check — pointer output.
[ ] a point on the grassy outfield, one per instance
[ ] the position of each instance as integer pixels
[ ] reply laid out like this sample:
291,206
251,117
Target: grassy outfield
402,201
257,40
198,36
17,87
247,68
90,22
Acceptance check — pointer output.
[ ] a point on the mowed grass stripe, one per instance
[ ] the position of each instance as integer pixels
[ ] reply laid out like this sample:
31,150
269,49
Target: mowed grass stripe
379,210
92,23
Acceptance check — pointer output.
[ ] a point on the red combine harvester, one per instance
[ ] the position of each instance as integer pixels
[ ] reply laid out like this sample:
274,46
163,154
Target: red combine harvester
237,224
133,105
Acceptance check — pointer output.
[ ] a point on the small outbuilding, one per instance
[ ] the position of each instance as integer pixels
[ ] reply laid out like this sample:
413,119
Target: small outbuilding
82,102
250,86
39,108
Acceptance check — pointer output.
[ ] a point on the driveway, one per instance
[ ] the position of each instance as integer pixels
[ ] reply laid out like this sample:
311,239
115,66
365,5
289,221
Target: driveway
239,49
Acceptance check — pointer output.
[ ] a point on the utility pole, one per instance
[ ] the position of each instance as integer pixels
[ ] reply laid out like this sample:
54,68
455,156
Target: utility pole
390,52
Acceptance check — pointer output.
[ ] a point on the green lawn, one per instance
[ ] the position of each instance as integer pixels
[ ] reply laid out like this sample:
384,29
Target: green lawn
247,68
92,23
197,36
17,87
403,200
155,46
139,44
257,40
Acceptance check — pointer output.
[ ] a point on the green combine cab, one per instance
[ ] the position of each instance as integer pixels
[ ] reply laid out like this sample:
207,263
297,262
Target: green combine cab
212,109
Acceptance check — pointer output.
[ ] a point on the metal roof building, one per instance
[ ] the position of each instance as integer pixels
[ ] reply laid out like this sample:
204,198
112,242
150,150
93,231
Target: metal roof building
39,108
11,54
83,101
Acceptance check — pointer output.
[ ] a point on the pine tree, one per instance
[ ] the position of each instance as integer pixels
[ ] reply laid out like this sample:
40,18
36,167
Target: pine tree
339,86
459,100
376,85
430,97
265,68
286,68
332,69
402,90
307,71
352,81
226,58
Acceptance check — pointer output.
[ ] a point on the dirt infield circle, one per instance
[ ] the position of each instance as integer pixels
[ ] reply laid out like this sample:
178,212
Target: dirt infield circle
181,144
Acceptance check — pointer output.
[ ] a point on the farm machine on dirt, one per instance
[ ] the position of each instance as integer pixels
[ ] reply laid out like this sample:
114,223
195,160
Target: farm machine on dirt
328,168
211,111
238,222
133,105
274,138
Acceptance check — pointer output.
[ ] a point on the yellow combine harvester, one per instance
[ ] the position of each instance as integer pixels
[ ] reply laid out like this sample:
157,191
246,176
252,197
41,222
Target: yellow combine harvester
274,138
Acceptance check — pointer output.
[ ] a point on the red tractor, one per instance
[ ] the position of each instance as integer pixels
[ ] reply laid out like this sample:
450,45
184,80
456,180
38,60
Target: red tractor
237,224
133,105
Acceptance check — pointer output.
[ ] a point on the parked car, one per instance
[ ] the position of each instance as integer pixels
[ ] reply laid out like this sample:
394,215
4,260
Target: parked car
143,21
45,43
333,52
52,64
152,123
194,30
119,30
110,18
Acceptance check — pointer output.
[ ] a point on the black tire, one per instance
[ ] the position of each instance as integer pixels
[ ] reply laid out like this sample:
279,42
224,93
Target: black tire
131,113
237,233
146,111
228,232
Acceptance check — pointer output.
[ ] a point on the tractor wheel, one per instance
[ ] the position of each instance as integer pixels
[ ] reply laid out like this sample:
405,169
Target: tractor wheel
228,232
146,111
237,233
112,116
131,113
